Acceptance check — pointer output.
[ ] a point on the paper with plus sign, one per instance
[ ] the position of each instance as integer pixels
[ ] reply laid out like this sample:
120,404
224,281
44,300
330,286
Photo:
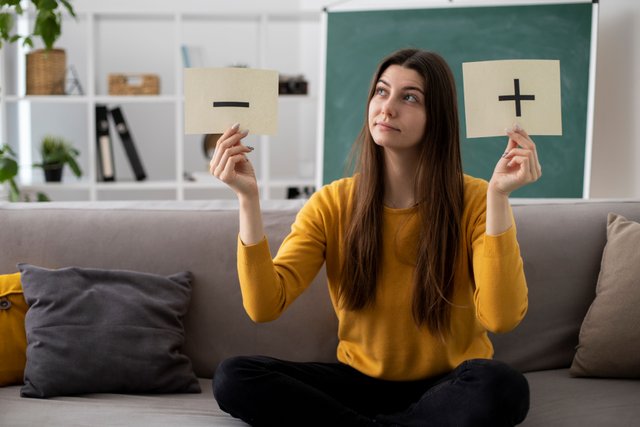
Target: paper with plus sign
217,98
499,94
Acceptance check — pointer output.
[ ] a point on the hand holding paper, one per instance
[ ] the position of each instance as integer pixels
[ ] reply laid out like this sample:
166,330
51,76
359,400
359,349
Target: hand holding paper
519,164
231,165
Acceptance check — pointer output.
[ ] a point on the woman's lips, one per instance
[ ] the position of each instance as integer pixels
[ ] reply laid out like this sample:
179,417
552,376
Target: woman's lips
387,126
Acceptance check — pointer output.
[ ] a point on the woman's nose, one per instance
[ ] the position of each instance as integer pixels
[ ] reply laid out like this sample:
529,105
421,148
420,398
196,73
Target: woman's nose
387,108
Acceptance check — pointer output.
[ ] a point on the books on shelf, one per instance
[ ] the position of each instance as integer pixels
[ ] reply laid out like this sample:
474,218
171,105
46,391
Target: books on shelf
106,164
106,169
127,142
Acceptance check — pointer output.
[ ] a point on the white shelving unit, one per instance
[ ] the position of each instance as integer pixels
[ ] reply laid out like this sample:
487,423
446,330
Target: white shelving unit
99,42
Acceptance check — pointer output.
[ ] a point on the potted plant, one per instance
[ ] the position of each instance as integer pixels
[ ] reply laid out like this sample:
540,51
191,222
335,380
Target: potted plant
46,68
56,152
8,171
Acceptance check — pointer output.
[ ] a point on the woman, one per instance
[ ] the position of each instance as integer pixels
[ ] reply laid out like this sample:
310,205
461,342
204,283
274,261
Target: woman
421,261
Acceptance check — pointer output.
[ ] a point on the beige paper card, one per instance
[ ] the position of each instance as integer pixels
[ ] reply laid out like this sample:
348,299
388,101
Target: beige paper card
217,98
498,94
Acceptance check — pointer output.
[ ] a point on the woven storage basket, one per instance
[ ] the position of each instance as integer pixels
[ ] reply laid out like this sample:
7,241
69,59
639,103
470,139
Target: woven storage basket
134,84
46,72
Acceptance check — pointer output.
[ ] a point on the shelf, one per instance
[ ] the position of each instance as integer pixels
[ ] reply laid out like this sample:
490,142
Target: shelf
51,99
111,186
102,99
133,99
216,184
298,98
56,186
137,185
158,185
293,182
271,37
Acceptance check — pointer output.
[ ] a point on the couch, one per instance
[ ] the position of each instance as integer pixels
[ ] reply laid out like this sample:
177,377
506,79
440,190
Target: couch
562,245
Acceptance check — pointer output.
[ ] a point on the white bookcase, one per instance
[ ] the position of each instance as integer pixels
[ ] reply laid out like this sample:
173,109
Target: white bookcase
146,40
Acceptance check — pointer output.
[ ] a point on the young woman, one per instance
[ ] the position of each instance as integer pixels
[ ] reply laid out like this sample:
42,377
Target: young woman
421,260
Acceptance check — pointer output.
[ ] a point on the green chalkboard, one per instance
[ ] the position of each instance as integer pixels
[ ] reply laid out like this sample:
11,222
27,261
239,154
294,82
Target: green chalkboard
356,41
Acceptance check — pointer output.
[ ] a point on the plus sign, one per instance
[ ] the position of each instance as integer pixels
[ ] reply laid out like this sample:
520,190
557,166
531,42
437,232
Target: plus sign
516,97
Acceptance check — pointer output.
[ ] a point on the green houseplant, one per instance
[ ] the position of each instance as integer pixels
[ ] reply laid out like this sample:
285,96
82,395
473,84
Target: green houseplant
46,68
8,171
57,152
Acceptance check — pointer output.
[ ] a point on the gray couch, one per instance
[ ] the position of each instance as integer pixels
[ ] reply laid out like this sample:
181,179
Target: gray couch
561,244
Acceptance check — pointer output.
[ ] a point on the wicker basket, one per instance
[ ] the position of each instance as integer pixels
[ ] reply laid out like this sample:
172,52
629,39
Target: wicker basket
46,72
134,84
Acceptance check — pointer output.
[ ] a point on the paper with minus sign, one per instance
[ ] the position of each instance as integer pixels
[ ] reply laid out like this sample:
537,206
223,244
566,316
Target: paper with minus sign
217,98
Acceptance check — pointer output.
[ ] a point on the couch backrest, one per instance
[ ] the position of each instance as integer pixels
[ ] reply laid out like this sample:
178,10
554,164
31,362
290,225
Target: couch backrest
165,238
561,245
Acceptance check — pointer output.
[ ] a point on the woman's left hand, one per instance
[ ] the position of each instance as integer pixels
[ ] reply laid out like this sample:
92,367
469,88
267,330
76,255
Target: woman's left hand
519,164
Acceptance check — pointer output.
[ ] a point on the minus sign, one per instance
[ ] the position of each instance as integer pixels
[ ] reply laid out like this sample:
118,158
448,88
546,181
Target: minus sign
230,104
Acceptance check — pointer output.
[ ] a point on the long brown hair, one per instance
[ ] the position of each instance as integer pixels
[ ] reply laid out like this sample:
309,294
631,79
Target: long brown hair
438,190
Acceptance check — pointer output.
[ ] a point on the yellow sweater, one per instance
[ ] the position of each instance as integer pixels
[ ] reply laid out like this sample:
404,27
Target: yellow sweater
383,340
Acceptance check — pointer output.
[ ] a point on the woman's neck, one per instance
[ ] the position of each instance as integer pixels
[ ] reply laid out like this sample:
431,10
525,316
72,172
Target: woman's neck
399,180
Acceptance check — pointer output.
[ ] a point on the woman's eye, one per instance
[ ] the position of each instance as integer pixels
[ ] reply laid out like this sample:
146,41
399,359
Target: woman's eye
380,91
411,98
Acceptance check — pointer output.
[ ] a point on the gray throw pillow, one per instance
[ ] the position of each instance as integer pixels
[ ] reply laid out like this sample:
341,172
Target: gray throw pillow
609,344
105,331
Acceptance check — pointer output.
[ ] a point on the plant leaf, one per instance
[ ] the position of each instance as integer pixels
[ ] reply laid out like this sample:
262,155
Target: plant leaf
8,169
42,197
14,191
6,24
48,27
74,166
69,7
6,148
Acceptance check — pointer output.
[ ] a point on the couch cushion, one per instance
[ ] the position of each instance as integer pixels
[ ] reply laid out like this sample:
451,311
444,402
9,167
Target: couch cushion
13,341
559,400
115,410
610,337
92,330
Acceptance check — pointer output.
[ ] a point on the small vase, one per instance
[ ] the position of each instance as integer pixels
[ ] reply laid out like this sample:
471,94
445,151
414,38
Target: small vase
53,173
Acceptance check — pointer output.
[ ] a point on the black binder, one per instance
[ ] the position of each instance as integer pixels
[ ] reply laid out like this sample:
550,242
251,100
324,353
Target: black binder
106,166
127,141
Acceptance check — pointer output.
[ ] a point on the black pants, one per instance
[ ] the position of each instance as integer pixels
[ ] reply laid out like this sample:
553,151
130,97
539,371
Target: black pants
264,391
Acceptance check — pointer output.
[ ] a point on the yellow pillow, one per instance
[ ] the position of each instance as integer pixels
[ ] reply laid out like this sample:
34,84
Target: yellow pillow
13,342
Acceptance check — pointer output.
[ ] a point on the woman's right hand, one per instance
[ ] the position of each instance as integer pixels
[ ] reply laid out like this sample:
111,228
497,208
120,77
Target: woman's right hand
230,163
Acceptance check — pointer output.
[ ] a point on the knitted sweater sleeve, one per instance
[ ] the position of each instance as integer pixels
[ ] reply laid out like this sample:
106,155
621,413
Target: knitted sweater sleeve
269,285
500,294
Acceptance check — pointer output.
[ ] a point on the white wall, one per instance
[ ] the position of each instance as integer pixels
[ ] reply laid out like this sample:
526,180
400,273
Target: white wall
616,149
186,5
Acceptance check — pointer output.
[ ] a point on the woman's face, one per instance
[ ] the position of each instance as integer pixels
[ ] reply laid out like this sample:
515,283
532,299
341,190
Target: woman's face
397,112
